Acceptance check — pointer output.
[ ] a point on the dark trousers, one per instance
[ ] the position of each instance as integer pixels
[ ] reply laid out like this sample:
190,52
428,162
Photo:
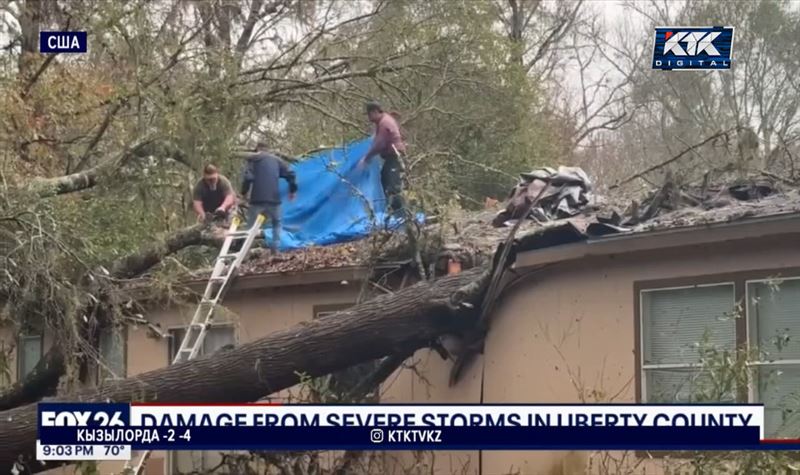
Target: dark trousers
392,182
273,214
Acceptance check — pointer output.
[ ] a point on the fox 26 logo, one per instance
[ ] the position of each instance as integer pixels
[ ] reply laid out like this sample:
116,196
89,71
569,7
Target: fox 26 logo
693,48
78,414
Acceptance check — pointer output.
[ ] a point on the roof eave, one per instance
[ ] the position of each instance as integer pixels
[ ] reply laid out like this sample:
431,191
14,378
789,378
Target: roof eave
748,228
264,280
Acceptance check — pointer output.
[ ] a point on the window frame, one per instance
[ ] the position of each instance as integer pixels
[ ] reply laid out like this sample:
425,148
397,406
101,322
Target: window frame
742,327
740,281
752,384
20,352
322,311
172,342
687,366
123,333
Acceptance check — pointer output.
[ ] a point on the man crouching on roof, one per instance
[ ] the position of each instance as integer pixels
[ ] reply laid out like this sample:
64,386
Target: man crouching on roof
261,178
212,195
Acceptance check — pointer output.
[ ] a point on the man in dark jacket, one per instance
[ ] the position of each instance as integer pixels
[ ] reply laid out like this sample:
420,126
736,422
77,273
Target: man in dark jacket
260,179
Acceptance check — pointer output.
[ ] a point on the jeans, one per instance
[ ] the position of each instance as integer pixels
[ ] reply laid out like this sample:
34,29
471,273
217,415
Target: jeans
392,182
273,214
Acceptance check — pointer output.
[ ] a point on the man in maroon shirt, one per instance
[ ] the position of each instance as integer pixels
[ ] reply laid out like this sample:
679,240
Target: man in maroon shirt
387,143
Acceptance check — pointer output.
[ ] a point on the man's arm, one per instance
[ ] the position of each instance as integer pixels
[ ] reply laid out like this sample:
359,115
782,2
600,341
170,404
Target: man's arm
288,174
230,196
197,201
379,143
247,178
198,208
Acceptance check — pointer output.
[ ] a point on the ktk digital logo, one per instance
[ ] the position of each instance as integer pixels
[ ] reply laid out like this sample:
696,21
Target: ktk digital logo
693,48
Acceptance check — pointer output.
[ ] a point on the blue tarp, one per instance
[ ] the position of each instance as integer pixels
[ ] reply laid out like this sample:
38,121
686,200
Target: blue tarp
334,199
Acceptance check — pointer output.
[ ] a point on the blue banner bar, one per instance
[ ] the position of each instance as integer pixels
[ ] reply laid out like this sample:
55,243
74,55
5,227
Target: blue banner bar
427,438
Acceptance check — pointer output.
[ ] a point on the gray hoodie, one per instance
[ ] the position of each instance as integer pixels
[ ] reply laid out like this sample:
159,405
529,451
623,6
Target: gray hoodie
260,178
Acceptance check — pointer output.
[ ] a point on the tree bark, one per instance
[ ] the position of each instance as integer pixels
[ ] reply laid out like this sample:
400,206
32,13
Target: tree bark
79,181
391,323
42,381
136,264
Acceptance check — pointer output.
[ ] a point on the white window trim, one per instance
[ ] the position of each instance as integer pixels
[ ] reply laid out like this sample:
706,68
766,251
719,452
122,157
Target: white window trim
752,385
325,313
645,367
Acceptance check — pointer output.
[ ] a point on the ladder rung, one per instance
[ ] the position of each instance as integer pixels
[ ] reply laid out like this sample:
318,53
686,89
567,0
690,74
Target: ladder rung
208,301
228,256
218,278
238,234
197,325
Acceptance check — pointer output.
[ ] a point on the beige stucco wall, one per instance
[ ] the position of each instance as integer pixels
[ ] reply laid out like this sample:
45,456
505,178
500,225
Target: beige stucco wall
567,335
255,313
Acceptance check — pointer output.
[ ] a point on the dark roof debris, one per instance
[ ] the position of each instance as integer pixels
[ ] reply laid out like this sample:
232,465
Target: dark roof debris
567,193
671,206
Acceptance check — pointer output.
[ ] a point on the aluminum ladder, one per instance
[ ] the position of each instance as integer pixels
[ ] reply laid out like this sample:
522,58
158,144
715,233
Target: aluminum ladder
224,270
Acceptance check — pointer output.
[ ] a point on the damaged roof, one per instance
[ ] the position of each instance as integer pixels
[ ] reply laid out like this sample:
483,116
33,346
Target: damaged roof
669,207
566,212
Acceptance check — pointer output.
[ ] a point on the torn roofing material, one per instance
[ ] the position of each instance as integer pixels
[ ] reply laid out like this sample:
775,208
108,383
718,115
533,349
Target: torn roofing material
686,210
561,193
473,233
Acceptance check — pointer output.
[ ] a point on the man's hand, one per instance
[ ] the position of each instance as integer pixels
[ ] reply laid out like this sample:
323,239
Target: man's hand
292,196
220,212
201,217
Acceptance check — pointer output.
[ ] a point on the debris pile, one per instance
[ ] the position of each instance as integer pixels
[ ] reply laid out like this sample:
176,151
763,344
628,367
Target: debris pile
577,215
310,258
547,194
671,197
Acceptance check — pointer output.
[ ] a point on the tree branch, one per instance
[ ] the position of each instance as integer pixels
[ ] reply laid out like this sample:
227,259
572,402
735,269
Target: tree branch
676,157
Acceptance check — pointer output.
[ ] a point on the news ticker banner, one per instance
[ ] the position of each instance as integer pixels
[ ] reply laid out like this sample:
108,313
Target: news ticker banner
110,431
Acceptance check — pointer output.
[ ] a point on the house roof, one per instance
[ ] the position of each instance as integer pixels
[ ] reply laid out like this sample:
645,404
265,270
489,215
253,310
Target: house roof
683,210
479,233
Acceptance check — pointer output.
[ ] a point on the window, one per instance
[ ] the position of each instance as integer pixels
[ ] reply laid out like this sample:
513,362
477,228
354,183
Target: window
322,311
675,323
218,337
29,352
680,325
773,309
112,363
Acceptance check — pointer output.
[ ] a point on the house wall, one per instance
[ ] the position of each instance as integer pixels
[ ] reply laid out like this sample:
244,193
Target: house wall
566,334
254,313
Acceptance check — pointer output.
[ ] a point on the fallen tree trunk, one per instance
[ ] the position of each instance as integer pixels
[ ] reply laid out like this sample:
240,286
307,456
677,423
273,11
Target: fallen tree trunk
42,381
388,324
